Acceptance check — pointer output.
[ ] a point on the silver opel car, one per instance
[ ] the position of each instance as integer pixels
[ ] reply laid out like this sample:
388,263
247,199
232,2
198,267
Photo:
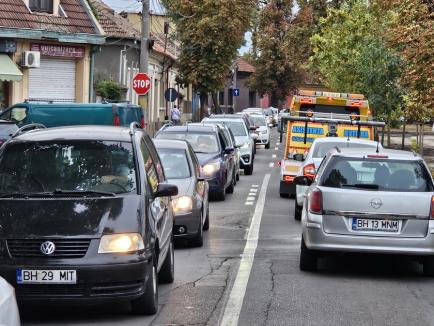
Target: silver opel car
370,200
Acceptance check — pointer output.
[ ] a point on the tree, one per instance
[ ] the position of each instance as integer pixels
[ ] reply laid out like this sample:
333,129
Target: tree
209,33
109,90
351,55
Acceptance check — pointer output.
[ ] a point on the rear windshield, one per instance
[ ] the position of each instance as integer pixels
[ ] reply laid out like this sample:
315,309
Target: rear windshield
201,142
258,121
330,109
67,165
175,163
237,127
377,174
321,149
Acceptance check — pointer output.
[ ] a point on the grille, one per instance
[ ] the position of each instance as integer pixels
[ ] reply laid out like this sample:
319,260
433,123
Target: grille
65,248
50,290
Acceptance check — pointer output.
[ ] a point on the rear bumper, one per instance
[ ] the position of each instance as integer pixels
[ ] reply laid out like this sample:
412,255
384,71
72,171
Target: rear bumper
95,284
287,188
315,238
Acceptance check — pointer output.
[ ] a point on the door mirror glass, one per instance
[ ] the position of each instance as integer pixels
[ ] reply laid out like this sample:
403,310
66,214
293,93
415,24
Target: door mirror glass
299,157
303,181
166,190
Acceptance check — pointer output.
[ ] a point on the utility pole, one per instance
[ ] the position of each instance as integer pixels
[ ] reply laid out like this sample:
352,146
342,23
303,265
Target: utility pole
144,54
234,82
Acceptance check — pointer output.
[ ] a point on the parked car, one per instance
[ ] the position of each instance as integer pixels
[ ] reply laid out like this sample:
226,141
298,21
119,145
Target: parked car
371,201
190,207
68,114
232,143
316,154
9,313
7,129
263,130
243,140
254,111
86,217
214,154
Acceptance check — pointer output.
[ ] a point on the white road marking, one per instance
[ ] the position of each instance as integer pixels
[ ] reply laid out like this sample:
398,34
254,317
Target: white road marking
252,194
235,302
271,165
276,149
249,203
253,190
274,156
255,186
277,143
250,198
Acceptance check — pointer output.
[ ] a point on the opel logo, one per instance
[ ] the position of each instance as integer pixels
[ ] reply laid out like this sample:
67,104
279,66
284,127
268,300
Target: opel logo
48,248
376,203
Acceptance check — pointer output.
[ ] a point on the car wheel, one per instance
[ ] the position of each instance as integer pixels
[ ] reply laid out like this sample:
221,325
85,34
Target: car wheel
167,271
428,266
267,146
198,239
147,303
221,194
308,258
238,175
206,224
282,195
230,189
248,170
297,211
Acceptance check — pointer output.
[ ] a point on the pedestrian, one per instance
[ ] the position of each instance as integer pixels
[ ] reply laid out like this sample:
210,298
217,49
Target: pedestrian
175,115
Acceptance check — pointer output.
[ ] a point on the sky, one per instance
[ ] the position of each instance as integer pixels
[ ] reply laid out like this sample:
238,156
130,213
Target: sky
134,5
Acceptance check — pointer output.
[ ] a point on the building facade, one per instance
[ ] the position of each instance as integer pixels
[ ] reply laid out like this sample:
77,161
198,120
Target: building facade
46,50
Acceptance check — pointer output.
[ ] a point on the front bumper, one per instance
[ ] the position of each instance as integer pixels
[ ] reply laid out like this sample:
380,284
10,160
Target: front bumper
315,238
217,182
287,188
190,222
95,283
245,158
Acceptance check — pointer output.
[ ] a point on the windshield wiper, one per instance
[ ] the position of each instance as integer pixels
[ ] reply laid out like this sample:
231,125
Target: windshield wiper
25,194
363,186
83,193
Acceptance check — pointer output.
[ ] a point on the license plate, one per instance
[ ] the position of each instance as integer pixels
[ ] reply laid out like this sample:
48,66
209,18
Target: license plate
28,276
361,224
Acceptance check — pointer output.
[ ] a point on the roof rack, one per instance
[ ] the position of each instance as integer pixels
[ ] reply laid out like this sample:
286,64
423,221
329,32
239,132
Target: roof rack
29,127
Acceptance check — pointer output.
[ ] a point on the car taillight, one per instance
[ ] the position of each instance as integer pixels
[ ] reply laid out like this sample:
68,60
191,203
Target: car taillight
309,171
432,208
288,178
315,201
142,122
116,121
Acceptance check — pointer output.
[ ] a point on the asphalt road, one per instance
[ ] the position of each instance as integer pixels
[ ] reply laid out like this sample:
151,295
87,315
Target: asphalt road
252,277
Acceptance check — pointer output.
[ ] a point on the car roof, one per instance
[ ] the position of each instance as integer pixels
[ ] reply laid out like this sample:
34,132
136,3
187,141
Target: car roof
391,154
344,140
191,128
227,116
77,133
170,143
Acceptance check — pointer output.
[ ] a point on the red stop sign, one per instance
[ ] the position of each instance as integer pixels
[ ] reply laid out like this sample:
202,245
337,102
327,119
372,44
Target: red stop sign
141,83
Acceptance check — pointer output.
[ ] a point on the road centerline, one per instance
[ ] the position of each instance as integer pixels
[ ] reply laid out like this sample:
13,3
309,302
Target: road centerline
235,302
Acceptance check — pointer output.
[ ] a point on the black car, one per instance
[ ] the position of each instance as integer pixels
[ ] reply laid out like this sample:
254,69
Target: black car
85,215
7,129
213,151
190,207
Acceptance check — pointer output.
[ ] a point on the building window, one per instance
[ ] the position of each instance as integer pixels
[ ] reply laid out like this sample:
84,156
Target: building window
230,97
252,99
41,6
221,98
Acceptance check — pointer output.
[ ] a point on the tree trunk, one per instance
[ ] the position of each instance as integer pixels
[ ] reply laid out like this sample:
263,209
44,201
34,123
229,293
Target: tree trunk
203,105
274,100
421,139
403,134
216,103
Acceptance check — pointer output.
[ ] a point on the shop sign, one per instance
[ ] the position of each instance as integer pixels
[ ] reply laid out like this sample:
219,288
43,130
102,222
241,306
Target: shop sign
58,50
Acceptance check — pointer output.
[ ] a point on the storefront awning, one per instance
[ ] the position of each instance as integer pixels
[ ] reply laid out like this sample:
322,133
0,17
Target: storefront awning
8,69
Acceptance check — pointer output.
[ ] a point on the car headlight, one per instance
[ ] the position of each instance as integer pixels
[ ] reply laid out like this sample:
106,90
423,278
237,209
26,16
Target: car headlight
211,168
120,243
245,146
182,204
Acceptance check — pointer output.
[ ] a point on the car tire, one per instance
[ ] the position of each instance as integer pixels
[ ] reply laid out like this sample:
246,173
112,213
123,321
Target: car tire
221,195
206,224
230,189
248,170
428,266
167,271
238,175
308,258
297,211
198,239
267,146
282,195
147,303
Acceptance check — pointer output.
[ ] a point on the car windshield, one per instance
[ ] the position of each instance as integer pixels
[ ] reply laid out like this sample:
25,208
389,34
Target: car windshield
258,121
237,127
321,149
201,142
34,167
377,174
175,163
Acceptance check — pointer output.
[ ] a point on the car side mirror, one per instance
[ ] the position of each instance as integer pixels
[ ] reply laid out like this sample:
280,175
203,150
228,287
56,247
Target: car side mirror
229,150
302,181
299,157
166,190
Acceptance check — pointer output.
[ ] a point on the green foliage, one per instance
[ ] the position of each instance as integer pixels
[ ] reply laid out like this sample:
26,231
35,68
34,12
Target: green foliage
210,33
109,90
352,56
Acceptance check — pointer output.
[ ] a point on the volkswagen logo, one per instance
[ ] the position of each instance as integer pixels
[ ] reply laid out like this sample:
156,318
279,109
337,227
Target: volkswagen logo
48,248
376,203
